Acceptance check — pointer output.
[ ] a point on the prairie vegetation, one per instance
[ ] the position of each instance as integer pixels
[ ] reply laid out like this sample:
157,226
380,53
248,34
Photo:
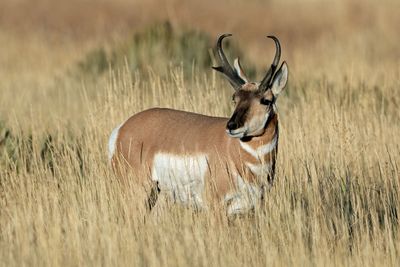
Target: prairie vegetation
73,70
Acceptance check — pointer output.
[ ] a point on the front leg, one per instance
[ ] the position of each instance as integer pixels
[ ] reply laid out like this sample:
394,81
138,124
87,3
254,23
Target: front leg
246,197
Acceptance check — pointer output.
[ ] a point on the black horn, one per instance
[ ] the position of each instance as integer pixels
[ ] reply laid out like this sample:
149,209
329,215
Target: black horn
266,82
225,67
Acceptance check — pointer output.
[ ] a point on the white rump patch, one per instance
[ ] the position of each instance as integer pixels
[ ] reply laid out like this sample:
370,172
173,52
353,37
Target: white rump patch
181,176
112,142
261,150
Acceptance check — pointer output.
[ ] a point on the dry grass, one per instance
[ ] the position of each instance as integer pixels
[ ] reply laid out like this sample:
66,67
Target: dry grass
337,195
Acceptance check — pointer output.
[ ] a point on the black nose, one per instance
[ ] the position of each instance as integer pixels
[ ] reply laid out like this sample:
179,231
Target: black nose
231,125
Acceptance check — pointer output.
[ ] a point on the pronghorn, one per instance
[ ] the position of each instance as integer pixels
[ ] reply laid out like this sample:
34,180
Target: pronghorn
199,160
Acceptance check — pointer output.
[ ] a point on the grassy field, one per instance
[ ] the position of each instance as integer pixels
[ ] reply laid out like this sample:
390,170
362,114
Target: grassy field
71,71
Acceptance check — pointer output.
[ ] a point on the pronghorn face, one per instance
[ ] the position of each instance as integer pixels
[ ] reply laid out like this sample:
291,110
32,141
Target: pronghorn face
254,107
254,102
252,111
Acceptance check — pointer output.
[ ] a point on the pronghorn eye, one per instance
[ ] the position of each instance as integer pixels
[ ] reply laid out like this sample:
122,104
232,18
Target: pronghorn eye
265,101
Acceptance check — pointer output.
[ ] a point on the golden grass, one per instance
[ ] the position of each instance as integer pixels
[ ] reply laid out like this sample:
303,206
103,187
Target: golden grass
336,199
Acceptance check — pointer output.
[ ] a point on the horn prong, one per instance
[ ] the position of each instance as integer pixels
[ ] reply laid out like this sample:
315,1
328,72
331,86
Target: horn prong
225,67
239,69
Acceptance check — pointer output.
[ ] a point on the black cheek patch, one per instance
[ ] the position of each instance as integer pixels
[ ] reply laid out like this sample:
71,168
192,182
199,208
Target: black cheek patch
241,116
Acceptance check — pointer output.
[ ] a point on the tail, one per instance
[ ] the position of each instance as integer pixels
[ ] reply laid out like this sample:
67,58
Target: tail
112,142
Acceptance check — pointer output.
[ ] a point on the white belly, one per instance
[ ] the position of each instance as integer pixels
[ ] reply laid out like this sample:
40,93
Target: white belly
182,177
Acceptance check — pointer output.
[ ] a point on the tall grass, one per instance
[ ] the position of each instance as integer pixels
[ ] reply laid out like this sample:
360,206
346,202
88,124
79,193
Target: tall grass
335,201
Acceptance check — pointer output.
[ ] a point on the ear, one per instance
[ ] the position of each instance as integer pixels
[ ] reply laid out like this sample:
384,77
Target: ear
239,70
280,79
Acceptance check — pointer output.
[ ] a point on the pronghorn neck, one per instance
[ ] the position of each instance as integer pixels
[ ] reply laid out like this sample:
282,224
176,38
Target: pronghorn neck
270,135
259,153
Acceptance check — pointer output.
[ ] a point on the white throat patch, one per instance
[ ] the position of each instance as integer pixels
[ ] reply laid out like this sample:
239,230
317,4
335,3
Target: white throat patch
259,169
260,151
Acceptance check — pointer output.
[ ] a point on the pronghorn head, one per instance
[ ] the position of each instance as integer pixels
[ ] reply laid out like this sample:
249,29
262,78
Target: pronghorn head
254,102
